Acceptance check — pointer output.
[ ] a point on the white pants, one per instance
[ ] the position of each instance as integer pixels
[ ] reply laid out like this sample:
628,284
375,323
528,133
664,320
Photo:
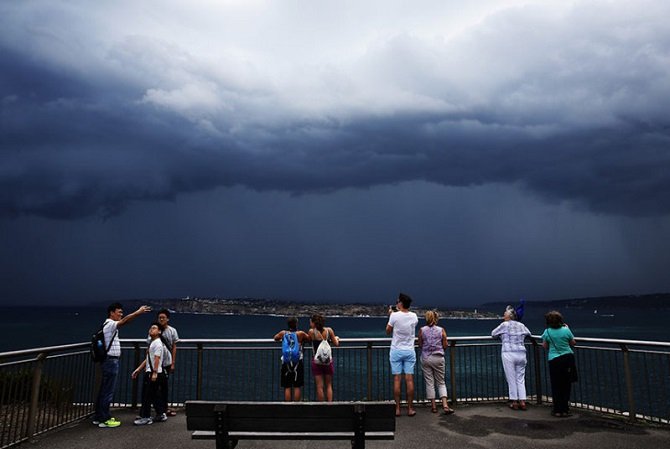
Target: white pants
514,364
433,375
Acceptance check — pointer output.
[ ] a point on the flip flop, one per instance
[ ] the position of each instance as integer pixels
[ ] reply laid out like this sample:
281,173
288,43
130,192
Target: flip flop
433,409
523,407
448,411
411,413
514,406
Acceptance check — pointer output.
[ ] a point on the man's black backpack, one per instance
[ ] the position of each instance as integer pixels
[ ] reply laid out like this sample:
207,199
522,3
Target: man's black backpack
98,347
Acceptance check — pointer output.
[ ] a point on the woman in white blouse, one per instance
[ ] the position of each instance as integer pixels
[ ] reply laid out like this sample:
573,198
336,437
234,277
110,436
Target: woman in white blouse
513,333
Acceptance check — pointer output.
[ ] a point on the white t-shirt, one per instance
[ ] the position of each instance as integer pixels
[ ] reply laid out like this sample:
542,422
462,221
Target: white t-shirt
404,327
171,337
109,329
155,349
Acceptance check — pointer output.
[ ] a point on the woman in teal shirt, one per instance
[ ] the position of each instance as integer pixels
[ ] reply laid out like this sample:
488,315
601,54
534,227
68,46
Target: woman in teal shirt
558,339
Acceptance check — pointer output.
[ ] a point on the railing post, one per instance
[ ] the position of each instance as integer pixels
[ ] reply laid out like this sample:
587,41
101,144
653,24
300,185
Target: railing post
35,394
538,371
629,381
134,392
452,367
198,386
369,366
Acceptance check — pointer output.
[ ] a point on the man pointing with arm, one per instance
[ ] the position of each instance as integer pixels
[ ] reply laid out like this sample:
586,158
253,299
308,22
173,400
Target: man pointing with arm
110,366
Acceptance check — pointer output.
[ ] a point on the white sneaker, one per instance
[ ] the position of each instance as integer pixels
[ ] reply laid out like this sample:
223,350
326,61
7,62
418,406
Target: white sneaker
161,418
143,421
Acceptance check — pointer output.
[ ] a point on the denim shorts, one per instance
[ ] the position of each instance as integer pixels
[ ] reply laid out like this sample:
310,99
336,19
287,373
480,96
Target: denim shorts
402,361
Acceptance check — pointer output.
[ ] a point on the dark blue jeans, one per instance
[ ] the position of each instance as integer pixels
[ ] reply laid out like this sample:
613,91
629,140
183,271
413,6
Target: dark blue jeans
110,371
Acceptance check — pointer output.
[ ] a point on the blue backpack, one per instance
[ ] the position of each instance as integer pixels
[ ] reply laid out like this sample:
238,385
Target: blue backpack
290,348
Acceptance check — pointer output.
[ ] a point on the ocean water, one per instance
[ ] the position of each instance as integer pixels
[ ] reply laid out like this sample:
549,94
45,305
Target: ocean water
30,327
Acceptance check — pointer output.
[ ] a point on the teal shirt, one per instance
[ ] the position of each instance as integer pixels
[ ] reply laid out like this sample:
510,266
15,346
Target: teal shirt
558,341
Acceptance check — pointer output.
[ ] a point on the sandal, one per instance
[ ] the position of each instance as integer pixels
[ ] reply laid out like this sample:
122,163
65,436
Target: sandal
523,407
411,413
448,411
514,406
433,409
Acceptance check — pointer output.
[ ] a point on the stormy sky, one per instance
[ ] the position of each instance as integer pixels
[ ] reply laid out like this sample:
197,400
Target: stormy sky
462,152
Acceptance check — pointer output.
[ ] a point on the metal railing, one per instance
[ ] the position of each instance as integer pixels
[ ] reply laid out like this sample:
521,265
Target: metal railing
44,388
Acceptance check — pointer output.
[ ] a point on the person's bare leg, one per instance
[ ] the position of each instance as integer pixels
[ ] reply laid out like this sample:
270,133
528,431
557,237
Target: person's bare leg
328,379
287,394
296,394
396,393
318,381
409,383
445,406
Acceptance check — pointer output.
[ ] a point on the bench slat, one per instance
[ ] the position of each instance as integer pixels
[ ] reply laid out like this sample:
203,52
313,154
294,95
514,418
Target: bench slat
210,435
303,424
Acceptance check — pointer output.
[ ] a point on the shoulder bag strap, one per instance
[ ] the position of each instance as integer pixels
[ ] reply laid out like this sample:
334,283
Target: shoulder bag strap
552,341
111,340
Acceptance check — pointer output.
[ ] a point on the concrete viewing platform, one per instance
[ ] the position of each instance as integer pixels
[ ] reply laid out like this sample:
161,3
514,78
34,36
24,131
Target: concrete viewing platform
472,426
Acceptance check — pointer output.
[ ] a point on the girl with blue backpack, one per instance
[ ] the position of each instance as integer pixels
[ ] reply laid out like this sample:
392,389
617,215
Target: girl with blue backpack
292,370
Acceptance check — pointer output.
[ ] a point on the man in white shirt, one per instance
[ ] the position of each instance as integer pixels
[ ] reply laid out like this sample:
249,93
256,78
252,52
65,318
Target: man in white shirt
402,324
110,366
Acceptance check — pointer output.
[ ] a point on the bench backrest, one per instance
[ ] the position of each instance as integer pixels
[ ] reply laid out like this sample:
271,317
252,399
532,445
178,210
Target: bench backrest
290,416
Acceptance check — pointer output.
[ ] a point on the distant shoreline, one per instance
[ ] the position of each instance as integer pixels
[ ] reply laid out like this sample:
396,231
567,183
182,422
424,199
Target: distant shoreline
264,307
272,307
282,315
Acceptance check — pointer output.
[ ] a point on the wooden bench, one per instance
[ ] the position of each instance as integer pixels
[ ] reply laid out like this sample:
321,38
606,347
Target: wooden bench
228,422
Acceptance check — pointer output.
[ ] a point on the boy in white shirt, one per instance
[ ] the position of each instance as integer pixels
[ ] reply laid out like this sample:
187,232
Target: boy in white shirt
153,377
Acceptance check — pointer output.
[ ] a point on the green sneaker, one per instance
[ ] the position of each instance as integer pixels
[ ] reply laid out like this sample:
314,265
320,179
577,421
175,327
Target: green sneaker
110,423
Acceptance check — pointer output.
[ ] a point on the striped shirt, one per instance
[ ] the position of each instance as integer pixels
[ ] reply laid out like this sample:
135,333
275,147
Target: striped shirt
109,329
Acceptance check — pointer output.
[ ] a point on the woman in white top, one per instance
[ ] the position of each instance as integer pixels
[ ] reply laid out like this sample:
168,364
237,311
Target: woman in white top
513,334
402,324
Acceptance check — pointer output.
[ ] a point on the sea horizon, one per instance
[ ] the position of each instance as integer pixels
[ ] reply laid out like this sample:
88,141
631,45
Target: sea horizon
29,326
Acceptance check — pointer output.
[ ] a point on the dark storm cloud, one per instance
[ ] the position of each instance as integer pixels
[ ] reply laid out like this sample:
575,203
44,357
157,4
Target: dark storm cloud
572,108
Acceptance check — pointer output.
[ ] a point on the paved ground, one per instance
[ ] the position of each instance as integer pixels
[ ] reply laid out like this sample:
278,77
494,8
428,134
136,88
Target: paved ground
472,427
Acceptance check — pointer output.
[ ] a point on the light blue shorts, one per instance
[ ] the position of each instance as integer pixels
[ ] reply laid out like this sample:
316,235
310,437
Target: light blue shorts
402,361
